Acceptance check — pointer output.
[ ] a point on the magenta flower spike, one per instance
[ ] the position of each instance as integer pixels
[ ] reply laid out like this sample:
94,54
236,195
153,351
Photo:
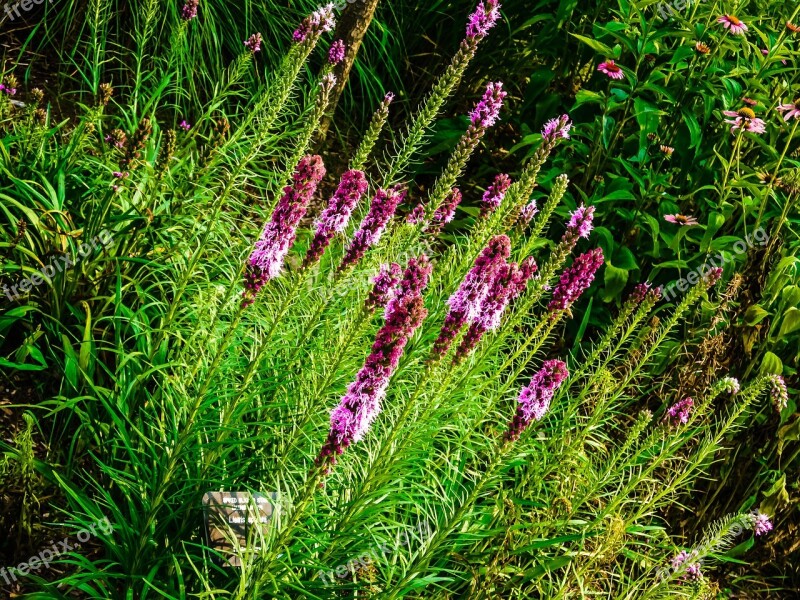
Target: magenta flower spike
692,569
189,10
575,280
557,129
445,213
253,43
494,194
483,19
761,524
534,399
317,23
383,286
485,113
372,226
465,303
358,408
336,52
335,216
278,235
679,412
416,215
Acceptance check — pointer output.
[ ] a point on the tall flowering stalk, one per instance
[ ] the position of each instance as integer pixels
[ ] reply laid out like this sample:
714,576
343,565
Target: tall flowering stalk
383,286
278,235
359,407
509,283
575,280
444,213
480,23
493,197
336,215
534,399
373,132
372,226
483,116
465,303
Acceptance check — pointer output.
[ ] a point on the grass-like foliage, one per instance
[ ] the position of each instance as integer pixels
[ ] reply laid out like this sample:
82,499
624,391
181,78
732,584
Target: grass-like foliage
217,308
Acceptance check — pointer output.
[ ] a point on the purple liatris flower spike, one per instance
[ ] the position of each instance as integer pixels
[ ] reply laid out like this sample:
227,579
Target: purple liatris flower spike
556,129
253,43
445,212
483,19
779,392
336,52
369,232
692,569
639,293
528,212
485,113
318,22
535,398
494,194
679,412
575,280
335,216
580,222
189,10
761,524
359,407
465,303
509,282
416,215
270,250
383,286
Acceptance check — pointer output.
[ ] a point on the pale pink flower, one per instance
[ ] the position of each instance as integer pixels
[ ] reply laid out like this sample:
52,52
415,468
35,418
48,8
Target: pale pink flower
684,220
744,119
790,111
736,26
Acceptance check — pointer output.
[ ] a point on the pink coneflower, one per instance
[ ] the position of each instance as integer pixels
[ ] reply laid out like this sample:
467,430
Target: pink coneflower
483,19
253,43
445,213
761,524
383,286
465,304
372,226
792,27
680,411
336,215
534,399
494,194
666,150
790,111
270,250
557,128
359,407
336,52
702,47
611,69
184,125
575,280
684,220
744,119
189,10
736,26
509,282
317,23
692,571
485,113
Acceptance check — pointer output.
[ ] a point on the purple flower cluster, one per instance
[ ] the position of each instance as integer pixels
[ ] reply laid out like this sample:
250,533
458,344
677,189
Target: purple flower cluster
318,22
336,52
528,212
580,222
494,194
185,125
465,303
369,232
253,43
416,215
485,113
535,398
483,19
189,10
556,129
575,280
641,291
761,524
445,212
679,412
383,286
335,216
779,392
270,250
7,89
692,569
359,407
